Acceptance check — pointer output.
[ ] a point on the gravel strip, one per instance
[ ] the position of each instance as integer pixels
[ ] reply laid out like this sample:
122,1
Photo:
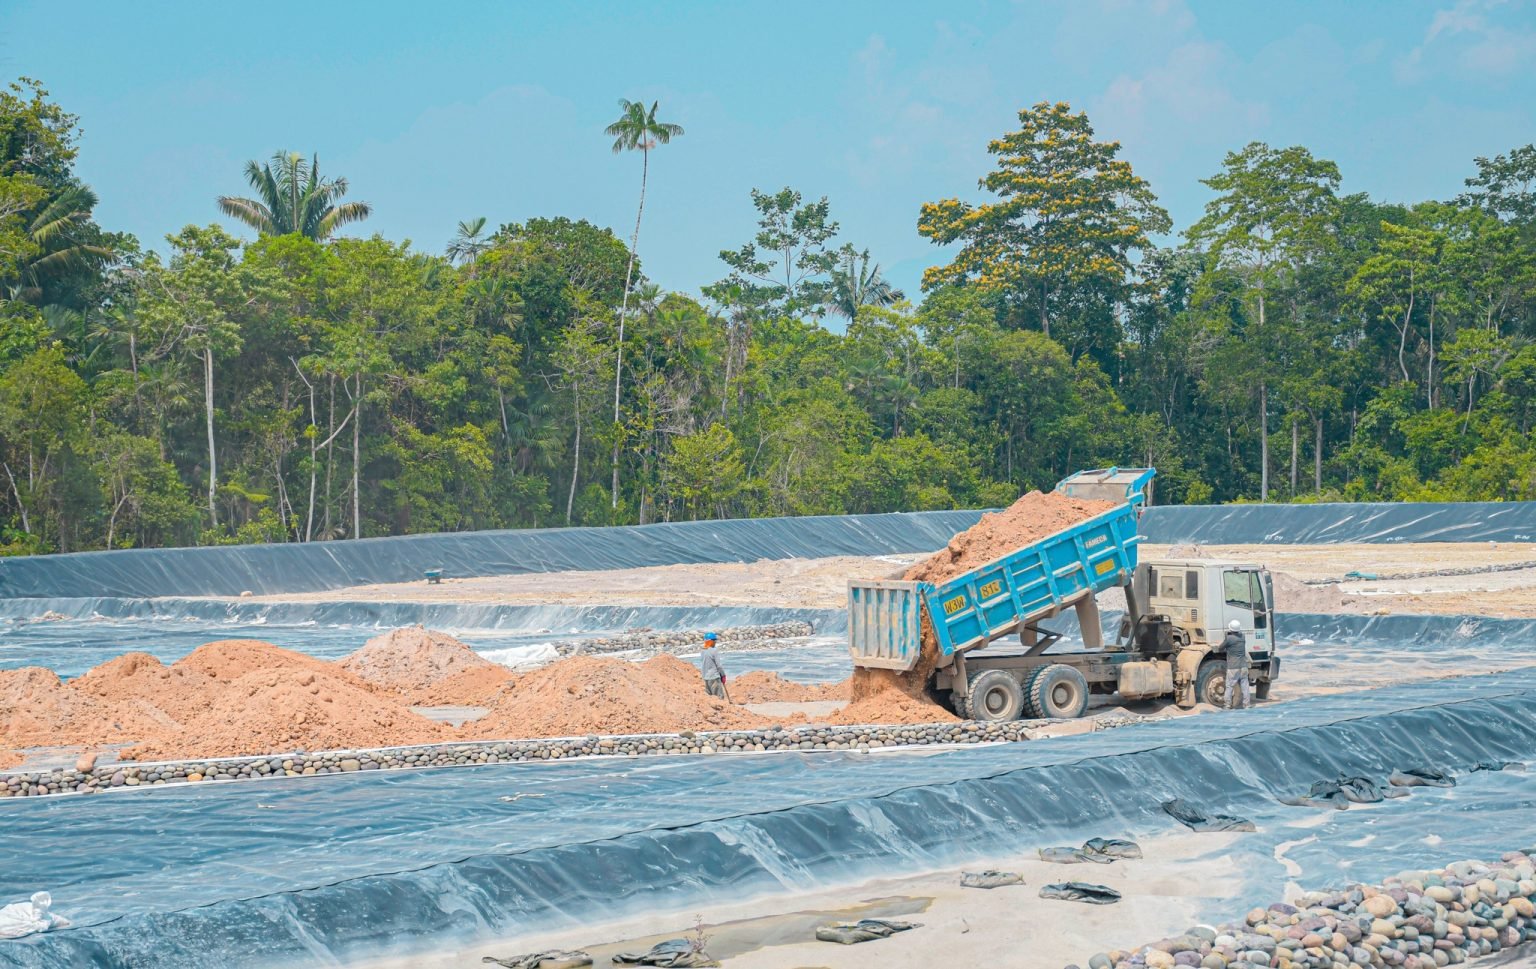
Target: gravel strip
649,643
687,743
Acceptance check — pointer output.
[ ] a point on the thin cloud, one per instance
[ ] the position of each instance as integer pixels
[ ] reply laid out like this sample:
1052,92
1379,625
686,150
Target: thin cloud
1469,36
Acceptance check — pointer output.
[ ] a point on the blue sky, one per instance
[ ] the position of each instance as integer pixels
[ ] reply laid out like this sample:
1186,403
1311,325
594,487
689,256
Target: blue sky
441,112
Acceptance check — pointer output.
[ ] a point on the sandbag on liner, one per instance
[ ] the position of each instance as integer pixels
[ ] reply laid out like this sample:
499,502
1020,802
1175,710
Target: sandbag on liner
1081,892
864,930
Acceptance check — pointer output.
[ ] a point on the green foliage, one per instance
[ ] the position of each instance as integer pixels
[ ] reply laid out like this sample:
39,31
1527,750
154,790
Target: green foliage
292,197
856,282
1506,185
784,267
637,128
704,472
1070,218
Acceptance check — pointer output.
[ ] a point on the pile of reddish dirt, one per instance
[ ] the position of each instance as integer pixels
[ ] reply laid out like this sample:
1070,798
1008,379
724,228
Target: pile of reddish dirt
884,696
141,680
282,709
227,698
1031,518
9,759
427,668
598,695
229,659
760,687
892,705
37,710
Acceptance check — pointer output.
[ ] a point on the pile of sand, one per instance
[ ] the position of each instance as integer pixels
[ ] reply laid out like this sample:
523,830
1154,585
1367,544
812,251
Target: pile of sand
37,710
1031,518
9,759
892,705
598,695
427,668
227,698
1293,595
282,709
142,681
229,659
762,687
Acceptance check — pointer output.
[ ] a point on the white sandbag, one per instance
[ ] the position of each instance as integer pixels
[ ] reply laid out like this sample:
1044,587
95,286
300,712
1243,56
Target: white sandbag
24,918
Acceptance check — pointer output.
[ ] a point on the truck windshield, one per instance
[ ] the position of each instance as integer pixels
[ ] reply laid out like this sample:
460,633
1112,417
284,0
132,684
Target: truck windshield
1243,589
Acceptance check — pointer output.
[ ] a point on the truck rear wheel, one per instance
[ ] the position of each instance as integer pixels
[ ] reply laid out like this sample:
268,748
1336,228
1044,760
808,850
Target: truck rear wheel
1211,684
1057,691
995,695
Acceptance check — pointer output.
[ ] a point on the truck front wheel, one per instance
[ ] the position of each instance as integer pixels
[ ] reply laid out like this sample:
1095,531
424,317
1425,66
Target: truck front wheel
995,695
1211,684
1059,692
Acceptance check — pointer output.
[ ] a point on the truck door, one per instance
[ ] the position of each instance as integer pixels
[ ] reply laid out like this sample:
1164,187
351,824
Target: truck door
1245,599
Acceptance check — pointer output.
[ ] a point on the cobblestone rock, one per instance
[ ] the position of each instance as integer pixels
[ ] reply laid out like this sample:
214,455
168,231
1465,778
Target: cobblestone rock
1416,920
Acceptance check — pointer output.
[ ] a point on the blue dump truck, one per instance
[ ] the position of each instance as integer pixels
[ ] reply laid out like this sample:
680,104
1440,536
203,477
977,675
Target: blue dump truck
1176,612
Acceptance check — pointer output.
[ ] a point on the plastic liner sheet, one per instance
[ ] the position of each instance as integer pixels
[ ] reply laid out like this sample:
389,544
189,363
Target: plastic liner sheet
170,628
272,569
1469,521
308,567
392,615
317,871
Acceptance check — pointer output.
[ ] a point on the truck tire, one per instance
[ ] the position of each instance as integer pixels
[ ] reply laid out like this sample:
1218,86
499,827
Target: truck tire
995,695
1211,684
1059,692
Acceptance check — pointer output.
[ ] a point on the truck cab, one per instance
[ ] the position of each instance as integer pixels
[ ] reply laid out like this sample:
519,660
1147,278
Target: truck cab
1196,599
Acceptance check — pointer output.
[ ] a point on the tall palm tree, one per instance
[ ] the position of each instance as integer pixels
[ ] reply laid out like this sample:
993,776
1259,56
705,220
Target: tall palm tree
292,197
856,283
468,242
636,129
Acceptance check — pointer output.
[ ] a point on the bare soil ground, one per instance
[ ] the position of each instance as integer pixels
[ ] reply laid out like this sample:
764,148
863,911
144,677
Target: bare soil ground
822,583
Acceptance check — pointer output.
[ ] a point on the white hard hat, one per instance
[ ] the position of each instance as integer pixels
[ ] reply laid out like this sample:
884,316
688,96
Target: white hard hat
1235,626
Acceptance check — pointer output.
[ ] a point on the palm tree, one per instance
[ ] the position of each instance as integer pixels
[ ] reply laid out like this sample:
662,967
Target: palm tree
54,233
856,283
469,242
292,197
636,128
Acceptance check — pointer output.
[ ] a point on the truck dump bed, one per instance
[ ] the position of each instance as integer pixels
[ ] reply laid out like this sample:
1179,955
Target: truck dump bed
885,617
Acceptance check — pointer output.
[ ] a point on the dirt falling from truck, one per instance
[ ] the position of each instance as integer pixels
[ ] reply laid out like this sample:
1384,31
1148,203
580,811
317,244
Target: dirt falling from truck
1031,518
886,696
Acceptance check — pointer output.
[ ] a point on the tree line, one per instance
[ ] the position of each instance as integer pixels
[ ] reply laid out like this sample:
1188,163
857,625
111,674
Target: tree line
1294,344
